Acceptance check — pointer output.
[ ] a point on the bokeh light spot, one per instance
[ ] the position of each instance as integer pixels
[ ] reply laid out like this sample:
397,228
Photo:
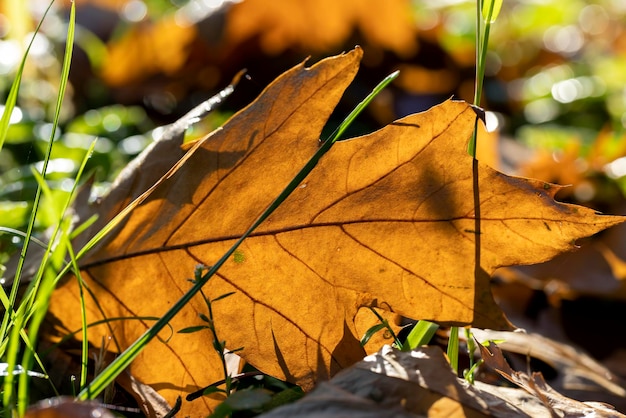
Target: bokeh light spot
565,40
567,91
542,110
16,115
133,144
10,56
111,122
134,11
593,19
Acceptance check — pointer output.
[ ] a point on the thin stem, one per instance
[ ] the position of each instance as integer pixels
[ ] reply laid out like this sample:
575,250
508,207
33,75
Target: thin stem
479,21
482,43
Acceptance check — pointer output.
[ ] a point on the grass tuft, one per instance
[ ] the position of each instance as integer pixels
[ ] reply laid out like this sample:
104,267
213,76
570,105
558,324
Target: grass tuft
21,322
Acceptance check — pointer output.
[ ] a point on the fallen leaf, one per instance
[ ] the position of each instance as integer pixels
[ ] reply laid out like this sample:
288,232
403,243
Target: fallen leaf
293,109
417,383
387,220
322,26
616,263
151,402
134,180
147,168
165,47
556,403
598,269
147,50
576,370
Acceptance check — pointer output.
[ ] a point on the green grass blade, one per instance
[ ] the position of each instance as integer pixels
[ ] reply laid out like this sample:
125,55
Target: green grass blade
11,100
491,10
35,300
370,333
55,123
68,245
19,233
385,324
108,375
83,314
453,349
421,334
41,177
4,126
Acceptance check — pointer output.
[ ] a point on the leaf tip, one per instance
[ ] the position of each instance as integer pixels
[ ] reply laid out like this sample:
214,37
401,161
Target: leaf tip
357,51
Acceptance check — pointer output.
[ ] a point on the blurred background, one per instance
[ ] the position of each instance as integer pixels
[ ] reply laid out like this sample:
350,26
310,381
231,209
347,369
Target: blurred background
556,72
555,94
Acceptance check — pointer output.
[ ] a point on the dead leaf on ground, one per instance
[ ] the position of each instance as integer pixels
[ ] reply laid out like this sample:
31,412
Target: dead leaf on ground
576,372
420,383
387,220
556,403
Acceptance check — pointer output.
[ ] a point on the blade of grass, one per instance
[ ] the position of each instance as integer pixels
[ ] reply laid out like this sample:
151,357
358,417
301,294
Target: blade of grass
61,95
11,100
109,374
44,297
421,334
84,360
19,233
4,127
485,16
13,346
383,324
453,349
370,332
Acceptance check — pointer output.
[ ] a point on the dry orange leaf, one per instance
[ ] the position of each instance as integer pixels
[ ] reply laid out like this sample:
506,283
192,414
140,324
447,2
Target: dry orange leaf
322,25
164,47
386,220
146,50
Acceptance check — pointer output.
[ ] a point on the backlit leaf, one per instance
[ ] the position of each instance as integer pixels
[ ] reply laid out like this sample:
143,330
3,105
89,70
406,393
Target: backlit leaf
401,219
